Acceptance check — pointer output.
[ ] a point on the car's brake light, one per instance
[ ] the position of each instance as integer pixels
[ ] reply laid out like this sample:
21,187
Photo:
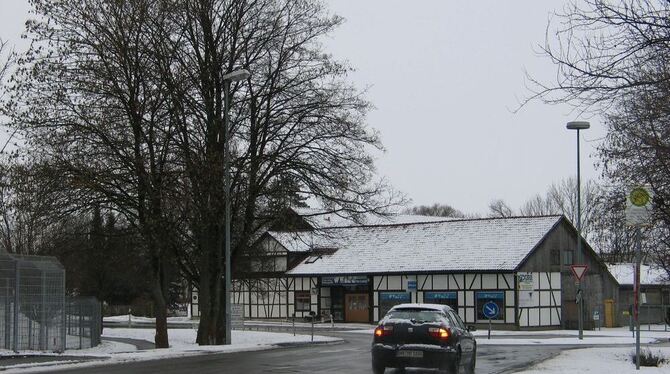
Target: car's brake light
439,332
383,330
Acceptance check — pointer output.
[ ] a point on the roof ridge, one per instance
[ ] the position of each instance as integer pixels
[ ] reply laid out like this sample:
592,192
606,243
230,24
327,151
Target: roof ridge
449,220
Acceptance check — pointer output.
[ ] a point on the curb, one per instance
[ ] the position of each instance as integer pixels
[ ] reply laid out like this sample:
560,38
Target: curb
307,344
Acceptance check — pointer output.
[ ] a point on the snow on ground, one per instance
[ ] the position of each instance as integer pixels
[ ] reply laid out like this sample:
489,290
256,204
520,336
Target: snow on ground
182,343
597,361
184,339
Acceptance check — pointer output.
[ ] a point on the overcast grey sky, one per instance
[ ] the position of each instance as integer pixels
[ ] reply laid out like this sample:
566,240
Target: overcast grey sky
444,77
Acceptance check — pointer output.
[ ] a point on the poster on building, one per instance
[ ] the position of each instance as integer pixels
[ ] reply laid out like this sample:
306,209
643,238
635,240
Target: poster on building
526,290
525,281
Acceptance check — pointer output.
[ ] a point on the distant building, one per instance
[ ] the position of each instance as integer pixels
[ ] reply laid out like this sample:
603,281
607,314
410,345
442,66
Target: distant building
356,272
654,293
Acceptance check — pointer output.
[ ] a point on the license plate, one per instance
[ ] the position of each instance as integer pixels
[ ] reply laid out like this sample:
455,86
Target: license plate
410,354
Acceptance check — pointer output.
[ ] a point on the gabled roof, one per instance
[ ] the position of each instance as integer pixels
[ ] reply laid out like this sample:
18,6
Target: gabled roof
494,244
649,275
302,241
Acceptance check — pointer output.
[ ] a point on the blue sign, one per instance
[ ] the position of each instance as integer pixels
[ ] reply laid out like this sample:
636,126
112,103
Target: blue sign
493,295
395,296
440,296
491,310
411,285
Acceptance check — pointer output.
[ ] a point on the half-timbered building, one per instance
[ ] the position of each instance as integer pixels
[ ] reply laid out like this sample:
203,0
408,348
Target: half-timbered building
355,273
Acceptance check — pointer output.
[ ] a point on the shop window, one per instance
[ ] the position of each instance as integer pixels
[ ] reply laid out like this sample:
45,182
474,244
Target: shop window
388,300
302,301
555,257
445,298
568,257
497,297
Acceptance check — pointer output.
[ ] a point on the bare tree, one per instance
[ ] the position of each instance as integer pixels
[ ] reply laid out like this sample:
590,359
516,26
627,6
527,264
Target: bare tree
605,51
126,103
612,60
89,102
297,130
438,210
499,208
560,199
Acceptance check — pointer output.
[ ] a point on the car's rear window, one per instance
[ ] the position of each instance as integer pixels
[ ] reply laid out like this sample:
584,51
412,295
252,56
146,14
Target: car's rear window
419,315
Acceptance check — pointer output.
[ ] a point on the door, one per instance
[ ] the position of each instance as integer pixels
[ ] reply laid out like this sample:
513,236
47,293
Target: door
357,307
609,313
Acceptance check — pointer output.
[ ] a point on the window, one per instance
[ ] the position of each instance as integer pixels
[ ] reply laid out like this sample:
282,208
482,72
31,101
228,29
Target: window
302,301
555,257
484,297
388,300
568,257
421,315
445,298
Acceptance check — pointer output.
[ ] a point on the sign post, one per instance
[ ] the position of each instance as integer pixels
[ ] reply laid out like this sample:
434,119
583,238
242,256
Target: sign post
638,212
596,318
490,311
578,272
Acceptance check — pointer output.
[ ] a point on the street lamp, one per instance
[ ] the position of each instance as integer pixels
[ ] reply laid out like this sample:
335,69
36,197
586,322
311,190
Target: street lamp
234,76
579,125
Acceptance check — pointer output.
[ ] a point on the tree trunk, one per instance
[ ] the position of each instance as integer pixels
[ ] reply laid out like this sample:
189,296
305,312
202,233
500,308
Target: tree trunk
160,306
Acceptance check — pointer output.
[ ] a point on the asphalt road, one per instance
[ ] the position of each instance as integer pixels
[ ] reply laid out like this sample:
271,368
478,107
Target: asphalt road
352,356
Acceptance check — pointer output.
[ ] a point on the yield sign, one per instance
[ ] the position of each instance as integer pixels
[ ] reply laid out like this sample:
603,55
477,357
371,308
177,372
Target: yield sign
578,271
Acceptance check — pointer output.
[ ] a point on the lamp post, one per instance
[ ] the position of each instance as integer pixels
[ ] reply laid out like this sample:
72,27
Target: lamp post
579,125
233,76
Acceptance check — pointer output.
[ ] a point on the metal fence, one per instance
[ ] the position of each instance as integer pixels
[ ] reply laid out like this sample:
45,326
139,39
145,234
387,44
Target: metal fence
36,314
654,317
83,322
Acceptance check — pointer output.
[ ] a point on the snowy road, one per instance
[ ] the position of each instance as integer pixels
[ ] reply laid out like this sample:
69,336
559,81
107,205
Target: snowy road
352,356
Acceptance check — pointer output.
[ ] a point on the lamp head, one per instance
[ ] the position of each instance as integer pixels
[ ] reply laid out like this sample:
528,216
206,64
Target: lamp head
578,125
237,75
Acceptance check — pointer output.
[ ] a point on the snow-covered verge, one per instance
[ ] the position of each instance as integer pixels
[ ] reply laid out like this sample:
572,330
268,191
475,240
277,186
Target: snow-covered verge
597,361
104,348
182,343
124,318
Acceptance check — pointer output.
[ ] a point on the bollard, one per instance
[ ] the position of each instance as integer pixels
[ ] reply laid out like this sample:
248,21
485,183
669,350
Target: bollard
313,315
293,323
489,336
130,321
332,324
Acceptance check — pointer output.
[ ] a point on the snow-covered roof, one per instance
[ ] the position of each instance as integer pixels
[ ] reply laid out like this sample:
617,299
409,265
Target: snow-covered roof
495,244
318,218
649,275
303,241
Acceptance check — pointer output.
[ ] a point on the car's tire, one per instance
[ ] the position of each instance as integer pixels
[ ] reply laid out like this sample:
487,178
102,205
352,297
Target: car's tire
378,368
452,367
473,362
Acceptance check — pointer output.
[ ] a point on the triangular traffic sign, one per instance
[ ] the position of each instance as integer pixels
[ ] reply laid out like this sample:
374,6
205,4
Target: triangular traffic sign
578,271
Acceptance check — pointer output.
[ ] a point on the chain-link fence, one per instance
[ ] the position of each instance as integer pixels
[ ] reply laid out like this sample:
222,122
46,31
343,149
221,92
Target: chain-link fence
35,313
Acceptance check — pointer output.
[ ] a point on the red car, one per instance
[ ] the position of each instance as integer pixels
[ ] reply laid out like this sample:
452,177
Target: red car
423,335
